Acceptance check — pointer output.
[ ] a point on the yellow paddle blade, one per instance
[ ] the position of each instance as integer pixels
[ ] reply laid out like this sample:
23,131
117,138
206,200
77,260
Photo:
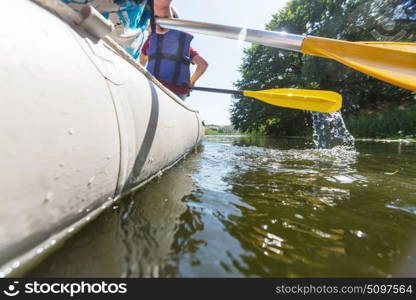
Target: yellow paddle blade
405,47
391,62
313,100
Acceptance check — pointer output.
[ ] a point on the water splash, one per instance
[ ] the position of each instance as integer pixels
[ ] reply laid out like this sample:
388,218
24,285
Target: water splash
329,131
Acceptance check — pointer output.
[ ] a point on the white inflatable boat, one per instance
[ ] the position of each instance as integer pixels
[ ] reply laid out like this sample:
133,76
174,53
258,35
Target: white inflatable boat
81,125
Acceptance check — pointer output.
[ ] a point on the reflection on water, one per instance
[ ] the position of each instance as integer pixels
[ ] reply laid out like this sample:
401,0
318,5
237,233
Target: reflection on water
258,207
134,238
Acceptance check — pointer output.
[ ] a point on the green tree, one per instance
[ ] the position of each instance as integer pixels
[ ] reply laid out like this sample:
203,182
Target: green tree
353,20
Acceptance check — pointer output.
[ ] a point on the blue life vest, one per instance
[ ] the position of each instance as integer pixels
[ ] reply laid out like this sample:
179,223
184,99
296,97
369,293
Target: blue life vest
169,57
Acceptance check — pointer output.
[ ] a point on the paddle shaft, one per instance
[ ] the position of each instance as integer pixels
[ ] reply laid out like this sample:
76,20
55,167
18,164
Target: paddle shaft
392,63
220,91
280,40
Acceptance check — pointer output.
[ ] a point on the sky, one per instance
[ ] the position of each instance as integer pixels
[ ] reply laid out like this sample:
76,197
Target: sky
223,55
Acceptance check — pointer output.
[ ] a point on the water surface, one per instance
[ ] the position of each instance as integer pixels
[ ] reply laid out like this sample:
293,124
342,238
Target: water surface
259,207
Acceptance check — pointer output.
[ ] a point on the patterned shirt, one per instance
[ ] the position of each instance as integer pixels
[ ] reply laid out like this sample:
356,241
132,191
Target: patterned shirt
130,17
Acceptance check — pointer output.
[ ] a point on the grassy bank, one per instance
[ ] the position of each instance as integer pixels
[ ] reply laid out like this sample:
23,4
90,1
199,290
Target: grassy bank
209,131
396,122
220,130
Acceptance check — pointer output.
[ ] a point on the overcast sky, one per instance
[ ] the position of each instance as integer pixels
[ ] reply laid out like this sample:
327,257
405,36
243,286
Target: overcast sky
223,55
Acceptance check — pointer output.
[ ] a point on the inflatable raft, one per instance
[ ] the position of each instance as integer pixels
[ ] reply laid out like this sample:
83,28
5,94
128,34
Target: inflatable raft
81,126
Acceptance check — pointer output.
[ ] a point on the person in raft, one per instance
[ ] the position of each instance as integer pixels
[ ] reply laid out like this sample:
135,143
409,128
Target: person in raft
130,19
168,54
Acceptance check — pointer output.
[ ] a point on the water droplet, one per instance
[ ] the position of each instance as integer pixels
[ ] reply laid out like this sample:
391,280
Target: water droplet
299,216
16,264
48,196
39,250
70,229
359,233
91,180
71,131
62,164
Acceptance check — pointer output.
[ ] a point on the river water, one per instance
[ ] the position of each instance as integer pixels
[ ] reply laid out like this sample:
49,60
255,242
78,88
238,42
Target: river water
258,207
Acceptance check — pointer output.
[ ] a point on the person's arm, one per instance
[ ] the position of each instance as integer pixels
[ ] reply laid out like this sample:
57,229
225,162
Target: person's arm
143,59
201,67
143,53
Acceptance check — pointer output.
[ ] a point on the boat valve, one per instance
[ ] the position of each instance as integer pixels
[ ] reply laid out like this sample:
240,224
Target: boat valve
95,23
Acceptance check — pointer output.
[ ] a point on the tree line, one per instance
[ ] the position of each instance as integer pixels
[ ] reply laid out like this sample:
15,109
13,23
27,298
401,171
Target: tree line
353,20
